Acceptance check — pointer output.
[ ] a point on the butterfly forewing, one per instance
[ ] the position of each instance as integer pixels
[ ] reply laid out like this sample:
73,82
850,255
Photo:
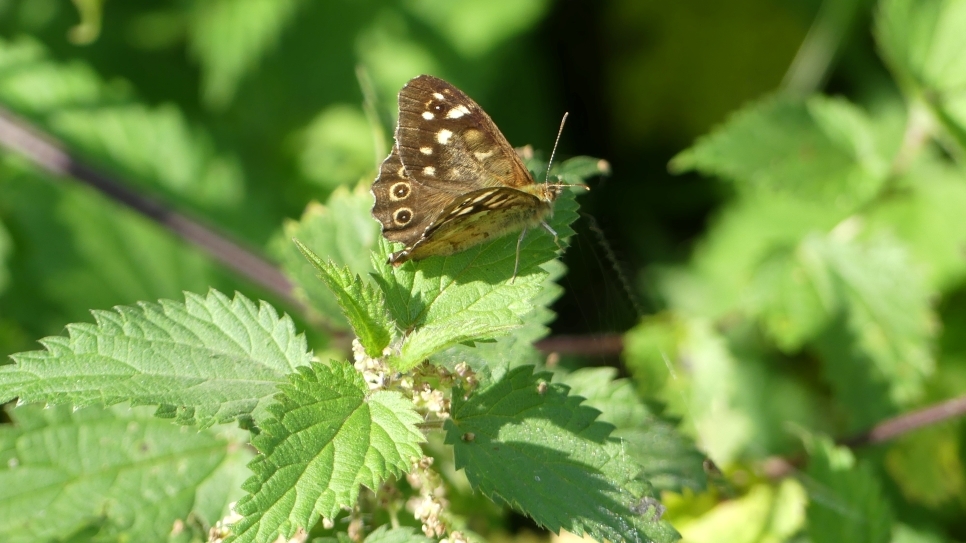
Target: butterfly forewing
446,139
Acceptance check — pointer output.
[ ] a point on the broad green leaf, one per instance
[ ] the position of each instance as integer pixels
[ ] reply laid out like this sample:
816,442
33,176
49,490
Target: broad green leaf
337,148
887,307
579,169
469,296
32,84
670,460
746,234
208,360
362,304
846,502
6,247
122,473
85,252
327,436
156,145
531,445
927,465
927,214
822,149
382,534
230,37
475,27
765,513
342,231
688,365
923,43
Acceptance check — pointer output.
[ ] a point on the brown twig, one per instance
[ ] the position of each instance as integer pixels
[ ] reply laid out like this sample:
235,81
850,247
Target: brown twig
49,155
589,345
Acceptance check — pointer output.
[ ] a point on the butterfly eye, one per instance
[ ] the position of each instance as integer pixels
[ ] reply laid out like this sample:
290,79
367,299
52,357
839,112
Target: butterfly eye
402,216
400,191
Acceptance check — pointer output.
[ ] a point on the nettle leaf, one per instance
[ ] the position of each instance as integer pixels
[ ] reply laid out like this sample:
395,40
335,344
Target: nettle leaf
362,304
531,445
229,37
846,502
927,214
31,83
764,513
886,305
327,436
923,43
6,247
158,145
824,149
670,460
579,169
121,473
208,360
687,364
469,296
342,231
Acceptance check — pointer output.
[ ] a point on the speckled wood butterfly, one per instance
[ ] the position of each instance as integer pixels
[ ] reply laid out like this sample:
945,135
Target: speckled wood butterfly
452,180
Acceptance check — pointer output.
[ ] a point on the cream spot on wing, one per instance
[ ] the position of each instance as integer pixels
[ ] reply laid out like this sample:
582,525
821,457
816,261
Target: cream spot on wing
429,170
426,150
458,112
438,96
482,155
399,191
401,172
428,116
443,136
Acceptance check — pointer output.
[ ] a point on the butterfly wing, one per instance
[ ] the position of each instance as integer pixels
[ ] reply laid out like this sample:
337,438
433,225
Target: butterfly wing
447,142
405,207
475,217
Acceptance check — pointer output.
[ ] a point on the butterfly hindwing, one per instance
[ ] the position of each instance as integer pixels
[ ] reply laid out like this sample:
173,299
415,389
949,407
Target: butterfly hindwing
404,206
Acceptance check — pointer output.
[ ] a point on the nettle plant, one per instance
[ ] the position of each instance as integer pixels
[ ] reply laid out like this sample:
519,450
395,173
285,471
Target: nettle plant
443,380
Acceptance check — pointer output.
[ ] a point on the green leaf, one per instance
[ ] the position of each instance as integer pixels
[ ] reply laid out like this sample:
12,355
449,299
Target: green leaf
32,84
6,247
765,513
469,296
342,231
579,169
823,149
888,309
535,447
212,359
927,465
926,213
846,502
475,27
670,460
156,145
230,37
337,147
362,304
122,473
923,44
328,436
384,534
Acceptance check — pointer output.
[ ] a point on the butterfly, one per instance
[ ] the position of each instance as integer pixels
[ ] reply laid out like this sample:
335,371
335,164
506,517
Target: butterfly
452,181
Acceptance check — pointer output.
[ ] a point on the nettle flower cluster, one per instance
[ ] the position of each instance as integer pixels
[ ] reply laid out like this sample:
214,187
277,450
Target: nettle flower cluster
429,387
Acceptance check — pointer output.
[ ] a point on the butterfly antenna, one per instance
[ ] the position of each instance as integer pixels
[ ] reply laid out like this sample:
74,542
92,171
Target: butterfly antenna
563,121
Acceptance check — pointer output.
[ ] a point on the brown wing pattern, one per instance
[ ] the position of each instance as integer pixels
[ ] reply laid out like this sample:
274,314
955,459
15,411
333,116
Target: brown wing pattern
473,218
449,143
403,205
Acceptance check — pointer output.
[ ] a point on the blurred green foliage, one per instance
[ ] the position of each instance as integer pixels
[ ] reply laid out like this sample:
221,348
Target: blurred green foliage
802,263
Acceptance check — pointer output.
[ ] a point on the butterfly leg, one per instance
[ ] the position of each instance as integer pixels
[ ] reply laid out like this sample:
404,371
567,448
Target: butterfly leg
516,263
552,232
